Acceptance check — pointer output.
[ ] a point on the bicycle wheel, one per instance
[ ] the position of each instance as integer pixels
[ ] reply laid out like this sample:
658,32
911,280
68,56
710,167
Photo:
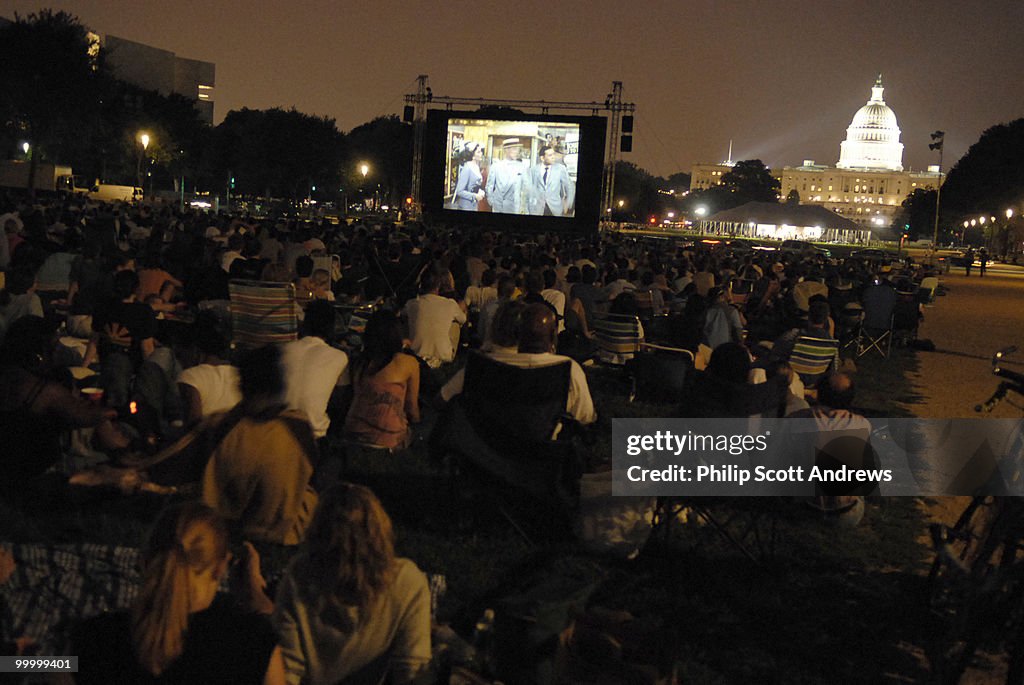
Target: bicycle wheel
975,586
959,544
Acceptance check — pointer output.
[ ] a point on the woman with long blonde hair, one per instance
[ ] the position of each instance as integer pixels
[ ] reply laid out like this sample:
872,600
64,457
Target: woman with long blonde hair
178,630
349,610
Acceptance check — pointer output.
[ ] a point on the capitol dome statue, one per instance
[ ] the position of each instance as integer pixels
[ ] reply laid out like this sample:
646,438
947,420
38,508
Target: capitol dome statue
873,138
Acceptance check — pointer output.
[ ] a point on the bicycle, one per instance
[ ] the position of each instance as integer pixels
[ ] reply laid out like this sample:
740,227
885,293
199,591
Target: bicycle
976,582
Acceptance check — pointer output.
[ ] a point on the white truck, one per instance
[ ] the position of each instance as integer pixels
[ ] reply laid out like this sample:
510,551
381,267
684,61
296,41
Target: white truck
57,178
107,192
49,177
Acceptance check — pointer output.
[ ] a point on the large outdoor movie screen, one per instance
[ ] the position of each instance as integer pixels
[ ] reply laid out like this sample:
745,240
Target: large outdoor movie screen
512,167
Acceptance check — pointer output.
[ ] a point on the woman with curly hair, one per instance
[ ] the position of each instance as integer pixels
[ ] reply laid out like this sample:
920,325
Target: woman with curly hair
348,610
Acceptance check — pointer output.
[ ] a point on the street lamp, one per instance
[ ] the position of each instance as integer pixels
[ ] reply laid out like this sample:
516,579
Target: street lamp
364,169
26,147
144,142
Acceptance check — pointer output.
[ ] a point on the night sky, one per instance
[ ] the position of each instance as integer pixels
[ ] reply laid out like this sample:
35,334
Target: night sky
782,79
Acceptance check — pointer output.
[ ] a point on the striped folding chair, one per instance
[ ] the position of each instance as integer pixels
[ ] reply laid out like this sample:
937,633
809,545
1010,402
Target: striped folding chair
262,313
812,358
618,337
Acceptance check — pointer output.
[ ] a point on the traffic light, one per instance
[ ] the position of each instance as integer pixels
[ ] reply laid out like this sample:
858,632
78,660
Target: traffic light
232,182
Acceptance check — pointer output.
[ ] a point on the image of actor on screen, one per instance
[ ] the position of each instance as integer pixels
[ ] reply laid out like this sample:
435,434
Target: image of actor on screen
552,191
505,179
468,191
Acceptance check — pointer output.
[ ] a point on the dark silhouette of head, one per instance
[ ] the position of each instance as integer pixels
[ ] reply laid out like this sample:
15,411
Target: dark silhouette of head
730,362
319,321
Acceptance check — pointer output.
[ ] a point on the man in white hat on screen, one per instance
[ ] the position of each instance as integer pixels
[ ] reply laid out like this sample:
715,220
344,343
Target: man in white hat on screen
505,180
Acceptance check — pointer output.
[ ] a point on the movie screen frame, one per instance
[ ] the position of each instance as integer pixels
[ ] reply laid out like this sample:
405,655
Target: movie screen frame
567,198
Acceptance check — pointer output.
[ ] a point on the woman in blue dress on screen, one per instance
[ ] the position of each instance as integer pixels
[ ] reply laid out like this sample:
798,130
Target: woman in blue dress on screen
469,188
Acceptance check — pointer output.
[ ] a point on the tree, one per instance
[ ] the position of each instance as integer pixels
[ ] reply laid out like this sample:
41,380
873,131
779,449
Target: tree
52,80
793,197
276,152
639,192
989,177
917,212
385,145
177,137
678,182
751,181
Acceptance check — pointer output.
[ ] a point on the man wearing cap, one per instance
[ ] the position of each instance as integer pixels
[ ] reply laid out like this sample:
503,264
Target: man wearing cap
505,180
552,191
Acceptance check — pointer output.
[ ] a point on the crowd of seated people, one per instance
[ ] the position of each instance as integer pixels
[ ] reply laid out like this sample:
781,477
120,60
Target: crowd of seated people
134,303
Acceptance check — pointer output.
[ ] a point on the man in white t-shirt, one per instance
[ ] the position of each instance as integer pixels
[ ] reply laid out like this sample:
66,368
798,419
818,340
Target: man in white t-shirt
211,386
432,320
313,370
537,338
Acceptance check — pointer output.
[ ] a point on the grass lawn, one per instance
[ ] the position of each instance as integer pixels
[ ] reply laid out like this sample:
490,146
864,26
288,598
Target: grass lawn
819,604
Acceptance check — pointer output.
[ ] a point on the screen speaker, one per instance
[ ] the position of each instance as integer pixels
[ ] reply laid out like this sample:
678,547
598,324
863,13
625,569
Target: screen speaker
626,143
407,114
627,123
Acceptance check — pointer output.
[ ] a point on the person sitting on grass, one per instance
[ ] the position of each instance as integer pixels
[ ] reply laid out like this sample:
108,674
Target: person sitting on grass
258,475
180,630
37,406
724,390
386,384
347,609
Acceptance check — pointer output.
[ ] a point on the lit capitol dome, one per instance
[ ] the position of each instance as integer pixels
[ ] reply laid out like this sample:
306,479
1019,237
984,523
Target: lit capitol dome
873,138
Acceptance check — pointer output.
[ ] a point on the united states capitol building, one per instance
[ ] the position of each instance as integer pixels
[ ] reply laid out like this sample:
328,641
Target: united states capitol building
867,185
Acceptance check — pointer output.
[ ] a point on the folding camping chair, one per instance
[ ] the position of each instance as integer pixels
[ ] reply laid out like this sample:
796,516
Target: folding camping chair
506,430
926,292
331,263
618,337
660,373
906,318
851,316
262,312
875,332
